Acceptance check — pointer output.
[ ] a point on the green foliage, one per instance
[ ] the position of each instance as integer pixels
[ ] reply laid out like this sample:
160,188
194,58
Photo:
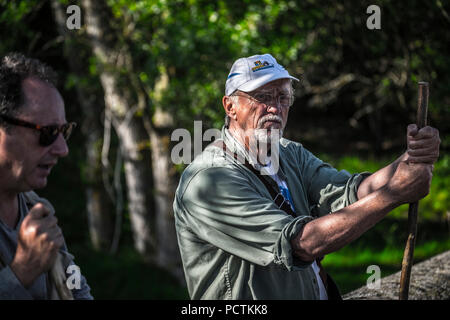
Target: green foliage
195,42
14,11
435,206
360,257
12,16
383,245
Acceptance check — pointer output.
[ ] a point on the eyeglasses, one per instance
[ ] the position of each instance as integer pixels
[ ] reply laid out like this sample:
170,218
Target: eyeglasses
285,100
48,134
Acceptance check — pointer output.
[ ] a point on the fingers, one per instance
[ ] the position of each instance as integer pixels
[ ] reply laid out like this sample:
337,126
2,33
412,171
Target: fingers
419,157
424,133
39,219
423,144
54,233
38,211
427,155
412,130
40,225
424,160
422,149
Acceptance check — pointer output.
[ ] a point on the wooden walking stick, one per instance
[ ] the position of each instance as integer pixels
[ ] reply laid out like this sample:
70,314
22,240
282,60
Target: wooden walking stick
407,262
58,275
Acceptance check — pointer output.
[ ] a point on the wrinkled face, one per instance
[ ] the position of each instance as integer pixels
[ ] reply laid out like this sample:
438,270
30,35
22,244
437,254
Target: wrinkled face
24,163
251,115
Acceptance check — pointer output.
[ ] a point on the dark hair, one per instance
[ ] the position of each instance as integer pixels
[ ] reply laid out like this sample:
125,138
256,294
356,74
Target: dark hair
14,68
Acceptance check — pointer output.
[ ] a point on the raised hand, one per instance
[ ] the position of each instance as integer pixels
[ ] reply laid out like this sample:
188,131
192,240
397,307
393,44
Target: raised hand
38,243
423,144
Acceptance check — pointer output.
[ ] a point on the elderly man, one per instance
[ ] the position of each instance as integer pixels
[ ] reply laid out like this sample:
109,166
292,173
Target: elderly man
255,225
33,134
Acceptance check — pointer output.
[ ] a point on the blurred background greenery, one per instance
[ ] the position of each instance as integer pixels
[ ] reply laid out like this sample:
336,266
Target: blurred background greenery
137,70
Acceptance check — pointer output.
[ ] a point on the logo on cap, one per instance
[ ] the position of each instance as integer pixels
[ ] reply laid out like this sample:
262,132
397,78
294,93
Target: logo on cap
261,65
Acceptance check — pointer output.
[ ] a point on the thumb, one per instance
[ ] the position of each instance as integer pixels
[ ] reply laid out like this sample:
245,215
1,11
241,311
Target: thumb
39,210
412,130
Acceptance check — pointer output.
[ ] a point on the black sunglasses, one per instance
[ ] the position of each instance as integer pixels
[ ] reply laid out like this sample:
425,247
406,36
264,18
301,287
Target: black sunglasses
48,134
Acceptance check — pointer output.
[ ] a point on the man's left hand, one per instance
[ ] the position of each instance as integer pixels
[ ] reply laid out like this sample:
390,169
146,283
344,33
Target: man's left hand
423,144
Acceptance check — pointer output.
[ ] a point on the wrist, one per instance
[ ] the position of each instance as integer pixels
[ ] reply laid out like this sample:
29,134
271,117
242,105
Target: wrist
22,272
390,197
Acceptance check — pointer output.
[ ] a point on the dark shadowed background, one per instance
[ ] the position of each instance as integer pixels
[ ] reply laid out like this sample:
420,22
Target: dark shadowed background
136,70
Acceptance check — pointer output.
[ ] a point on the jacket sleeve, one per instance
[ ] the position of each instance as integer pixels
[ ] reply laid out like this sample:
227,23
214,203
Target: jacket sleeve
79,287
10,287
328,189
222,208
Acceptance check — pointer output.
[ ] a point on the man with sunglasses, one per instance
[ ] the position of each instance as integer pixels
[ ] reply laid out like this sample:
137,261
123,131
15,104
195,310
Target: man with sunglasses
252,212
33,134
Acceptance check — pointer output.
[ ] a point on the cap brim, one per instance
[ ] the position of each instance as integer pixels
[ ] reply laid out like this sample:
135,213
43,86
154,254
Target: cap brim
261,81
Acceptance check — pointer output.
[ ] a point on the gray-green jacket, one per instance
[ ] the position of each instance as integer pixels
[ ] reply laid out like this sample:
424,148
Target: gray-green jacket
234,241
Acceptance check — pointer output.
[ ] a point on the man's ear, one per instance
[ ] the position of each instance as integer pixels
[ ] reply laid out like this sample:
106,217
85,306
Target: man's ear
229,106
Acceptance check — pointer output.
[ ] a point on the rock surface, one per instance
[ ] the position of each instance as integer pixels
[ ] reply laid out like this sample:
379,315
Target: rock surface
430,280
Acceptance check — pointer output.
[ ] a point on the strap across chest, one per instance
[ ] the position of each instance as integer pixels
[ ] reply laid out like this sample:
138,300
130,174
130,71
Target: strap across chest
274,192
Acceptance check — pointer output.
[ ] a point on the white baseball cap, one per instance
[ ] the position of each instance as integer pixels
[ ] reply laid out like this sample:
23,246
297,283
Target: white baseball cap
248,74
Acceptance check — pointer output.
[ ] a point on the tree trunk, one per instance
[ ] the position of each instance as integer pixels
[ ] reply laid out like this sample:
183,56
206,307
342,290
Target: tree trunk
98,205
164,185
123,104
154,233
164,178
138,177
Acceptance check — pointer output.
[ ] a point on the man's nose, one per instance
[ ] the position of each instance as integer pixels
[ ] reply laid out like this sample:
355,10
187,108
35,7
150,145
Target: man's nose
274,107
59,147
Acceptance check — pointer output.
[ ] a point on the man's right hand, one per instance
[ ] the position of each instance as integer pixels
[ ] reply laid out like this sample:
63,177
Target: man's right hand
410,182
38,243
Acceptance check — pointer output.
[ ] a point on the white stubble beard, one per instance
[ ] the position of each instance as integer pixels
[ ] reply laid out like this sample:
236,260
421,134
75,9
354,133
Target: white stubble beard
267,143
